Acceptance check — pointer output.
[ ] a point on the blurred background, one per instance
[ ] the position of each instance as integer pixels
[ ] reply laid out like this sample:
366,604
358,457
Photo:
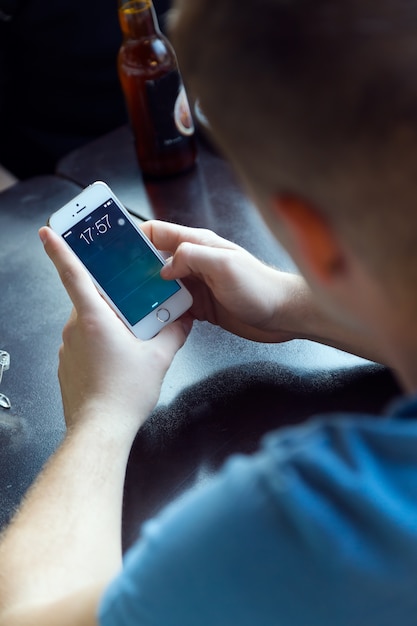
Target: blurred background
59,87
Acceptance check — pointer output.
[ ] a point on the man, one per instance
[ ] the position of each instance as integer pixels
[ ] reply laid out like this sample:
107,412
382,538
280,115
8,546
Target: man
315,102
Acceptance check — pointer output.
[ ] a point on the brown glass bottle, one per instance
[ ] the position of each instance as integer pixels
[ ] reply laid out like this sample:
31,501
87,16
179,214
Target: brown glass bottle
156,100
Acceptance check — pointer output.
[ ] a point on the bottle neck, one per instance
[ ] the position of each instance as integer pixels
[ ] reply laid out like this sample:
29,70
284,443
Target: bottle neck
138,19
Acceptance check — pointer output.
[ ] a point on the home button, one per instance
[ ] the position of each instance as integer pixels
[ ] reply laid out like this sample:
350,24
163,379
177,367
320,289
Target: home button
163,315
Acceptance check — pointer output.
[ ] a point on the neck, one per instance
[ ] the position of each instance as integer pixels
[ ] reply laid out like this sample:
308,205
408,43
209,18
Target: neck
397,339
404,365
138,19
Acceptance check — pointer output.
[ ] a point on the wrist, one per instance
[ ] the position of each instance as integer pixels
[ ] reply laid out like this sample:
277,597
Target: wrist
293,308
115,424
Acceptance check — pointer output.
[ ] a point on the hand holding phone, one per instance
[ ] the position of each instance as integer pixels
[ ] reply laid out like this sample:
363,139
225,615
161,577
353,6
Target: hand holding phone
107,376
121,260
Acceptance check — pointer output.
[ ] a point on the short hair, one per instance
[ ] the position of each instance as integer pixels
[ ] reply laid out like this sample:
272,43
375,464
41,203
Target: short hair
316,98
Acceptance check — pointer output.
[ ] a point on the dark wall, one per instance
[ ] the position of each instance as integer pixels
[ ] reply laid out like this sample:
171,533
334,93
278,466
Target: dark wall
59,86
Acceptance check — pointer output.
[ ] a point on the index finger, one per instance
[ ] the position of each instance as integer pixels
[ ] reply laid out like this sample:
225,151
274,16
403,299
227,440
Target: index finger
168,236
72,273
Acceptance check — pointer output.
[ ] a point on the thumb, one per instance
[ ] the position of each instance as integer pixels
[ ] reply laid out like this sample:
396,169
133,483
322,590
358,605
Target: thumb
74,276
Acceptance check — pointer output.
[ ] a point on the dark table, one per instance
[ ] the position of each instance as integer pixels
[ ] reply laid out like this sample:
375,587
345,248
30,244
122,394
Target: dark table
33,310
221,394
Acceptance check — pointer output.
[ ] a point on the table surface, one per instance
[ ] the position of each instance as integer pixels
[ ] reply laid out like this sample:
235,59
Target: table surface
221,394
33,310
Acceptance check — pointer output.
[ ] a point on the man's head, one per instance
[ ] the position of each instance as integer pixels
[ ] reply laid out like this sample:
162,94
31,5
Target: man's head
316,100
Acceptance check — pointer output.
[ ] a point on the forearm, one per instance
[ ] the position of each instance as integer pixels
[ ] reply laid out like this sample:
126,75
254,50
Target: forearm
302,318
65,543
67,535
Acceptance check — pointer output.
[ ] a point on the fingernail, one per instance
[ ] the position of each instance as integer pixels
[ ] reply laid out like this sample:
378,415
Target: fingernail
165,271
42,236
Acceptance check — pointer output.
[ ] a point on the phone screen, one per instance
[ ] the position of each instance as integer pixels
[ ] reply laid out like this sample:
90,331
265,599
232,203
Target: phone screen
120,261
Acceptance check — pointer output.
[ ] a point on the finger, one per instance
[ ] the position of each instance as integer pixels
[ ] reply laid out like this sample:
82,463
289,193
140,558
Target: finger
201,261
172,337
167,236
74,277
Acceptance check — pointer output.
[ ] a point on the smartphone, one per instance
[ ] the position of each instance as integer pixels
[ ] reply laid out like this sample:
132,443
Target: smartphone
122,261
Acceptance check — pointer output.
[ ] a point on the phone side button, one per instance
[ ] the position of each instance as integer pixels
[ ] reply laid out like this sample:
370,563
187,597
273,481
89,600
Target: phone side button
163,315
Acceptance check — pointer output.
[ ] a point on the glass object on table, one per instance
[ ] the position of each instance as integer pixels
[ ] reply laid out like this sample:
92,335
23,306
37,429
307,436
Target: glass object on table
4,365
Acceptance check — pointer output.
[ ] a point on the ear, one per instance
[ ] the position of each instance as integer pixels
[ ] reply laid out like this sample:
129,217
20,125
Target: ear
313,241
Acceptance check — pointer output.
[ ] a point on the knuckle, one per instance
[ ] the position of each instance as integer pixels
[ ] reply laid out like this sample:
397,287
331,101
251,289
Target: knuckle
66,334
207,237
184,248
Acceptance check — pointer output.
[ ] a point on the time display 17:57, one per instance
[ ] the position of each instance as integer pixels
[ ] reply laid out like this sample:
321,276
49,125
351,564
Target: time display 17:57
100,227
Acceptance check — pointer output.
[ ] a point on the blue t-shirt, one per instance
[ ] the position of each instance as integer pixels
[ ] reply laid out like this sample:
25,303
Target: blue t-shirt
319,528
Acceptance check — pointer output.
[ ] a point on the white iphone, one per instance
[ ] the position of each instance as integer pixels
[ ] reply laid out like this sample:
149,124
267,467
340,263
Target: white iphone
121,260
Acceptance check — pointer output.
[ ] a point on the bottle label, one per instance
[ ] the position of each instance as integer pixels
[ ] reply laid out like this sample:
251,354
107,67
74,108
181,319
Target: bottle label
169,109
